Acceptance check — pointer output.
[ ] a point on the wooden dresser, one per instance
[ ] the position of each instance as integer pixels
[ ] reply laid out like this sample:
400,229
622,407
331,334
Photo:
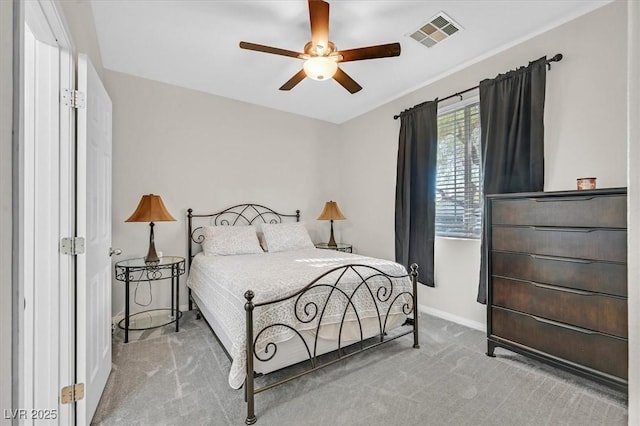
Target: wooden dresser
557,279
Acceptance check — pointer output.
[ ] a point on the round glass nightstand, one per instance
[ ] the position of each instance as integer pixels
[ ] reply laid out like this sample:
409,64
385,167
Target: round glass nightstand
346,248
137,270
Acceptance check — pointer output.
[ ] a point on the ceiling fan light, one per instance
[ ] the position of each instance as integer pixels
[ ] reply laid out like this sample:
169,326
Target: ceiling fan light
320,68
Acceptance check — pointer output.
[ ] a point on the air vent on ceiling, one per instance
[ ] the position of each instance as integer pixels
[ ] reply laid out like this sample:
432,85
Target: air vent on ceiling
435,30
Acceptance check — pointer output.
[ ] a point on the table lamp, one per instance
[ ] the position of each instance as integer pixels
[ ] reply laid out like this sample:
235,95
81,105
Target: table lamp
151,209
331,212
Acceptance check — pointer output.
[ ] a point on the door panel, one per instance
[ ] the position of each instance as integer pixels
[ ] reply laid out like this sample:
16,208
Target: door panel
41,263
94,222
46,207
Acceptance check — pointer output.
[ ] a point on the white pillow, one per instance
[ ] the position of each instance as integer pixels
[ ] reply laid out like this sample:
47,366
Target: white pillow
230,240
286,236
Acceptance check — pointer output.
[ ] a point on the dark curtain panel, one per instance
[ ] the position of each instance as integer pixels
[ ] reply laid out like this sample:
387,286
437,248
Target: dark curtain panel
512,140
416,188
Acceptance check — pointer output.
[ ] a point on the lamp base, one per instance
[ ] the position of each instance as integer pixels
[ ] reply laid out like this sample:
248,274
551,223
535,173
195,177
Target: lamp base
332,241
152,256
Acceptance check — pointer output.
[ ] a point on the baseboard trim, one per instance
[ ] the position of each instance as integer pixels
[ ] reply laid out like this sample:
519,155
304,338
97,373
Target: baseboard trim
453,318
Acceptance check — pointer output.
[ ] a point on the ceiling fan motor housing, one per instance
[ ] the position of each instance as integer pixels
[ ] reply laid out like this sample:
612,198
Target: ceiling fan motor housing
319,50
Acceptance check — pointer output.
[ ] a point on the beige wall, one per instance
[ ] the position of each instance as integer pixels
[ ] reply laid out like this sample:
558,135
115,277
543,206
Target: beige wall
6,222
207,152
585,134
633,144
79,18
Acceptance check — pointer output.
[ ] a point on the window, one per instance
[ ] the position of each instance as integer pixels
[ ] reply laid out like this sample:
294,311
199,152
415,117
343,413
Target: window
458,190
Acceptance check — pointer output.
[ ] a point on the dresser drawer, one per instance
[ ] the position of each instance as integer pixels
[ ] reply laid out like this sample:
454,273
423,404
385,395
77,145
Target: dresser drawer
606,314
601,352
594,244
601,277
582,211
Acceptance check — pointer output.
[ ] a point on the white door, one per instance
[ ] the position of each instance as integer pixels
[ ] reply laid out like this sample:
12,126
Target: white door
46,214
40,205
93,198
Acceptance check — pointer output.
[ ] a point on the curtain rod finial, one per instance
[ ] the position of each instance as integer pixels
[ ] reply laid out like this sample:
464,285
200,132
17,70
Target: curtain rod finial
557,58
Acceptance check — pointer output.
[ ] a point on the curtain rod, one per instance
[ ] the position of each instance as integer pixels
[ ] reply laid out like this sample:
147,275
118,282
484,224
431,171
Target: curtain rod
556,58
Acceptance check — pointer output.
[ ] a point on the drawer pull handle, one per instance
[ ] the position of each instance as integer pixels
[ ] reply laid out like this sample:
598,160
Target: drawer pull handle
547,200
567,326
563,289
550,228
560,259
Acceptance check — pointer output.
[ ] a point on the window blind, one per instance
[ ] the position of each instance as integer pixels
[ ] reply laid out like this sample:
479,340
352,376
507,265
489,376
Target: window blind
458,189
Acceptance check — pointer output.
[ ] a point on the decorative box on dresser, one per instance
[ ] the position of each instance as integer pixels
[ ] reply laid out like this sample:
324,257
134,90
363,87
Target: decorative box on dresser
557,279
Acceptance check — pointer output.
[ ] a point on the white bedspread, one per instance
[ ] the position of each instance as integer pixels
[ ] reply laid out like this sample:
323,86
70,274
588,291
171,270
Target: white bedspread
221,281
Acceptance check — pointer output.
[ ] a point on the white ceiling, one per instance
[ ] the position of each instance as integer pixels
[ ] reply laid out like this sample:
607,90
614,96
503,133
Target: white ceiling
194,44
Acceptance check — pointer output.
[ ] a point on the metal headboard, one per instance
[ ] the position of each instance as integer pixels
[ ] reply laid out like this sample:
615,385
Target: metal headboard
242,214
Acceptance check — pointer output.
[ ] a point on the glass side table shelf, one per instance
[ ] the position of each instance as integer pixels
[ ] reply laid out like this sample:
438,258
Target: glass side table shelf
346,248
136,270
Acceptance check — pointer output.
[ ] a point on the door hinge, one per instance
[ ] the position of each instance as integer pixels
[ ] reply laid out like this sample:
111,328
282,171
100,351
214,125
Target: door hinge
72,246
73,98
72,393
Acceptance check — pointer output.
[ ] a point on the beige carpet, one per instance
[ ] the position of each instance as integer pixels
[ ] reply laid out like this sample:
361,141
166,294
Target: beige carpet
167,378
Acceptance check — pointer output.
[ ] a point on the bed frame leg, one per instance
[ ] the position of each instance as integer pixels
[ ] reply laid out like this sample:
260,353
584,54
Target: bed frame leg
414,281
249,395
190,300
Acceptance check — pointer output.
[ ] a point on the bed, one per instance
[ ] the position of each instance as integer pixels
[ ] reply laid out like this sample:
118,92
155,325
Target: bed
293,303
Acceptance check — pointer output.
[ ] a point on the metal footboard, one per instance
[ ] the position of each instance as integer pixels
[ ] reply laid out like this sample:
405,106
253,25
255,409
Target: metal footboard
382,288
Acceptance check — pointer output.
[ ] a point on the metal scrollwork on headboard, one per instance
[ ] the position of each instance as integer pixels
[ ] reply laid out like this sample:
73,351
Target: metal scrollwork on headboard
242,214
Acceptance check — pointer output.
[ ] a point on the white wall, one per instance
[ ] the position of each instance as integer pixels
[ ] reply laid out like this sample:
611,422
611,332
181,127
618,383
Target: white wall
6,199
208,153
585,128
633,144
79,18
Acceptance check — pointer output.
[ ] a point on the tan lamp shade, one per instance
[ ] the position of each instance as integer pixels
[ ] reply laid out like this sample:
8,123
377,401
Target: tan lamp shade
331,212
151,209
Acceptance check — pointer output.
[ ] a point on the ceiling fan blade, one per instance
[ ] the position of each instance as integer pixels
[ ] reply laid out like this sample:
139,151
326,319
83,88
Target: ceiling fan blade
346,81
371,52
269,49
293,81
319,18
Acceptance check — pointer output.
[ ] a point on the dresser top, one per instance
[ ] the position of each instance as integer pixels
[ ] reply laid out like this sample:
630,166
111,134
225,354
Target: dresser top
583,193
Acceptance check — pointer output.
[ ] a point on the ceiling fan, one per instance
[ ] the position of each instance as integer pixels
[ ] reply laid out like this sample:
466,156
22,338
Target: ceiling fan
320,54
